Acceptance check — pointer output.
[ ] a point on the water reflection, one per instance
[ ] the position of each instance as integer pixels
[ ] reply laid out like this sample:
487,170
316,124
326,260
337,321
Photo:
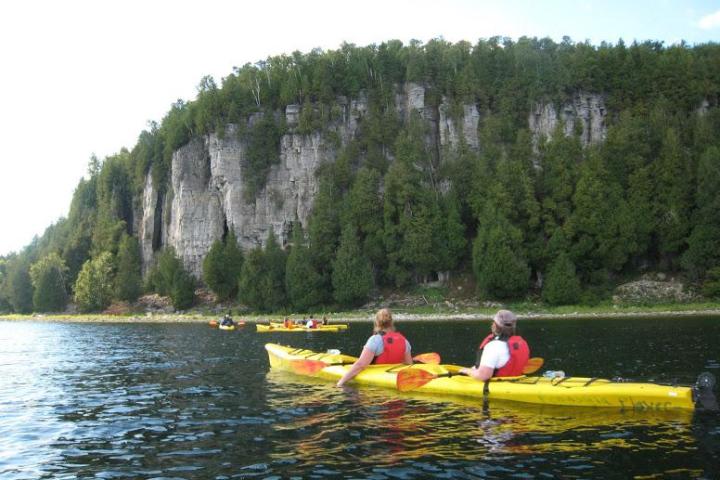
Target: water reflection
383,427
187,401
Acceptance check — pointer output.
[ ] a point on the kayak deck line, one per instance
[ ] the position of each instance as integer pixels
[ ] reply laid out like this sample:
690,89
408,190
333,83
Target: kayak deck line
566,391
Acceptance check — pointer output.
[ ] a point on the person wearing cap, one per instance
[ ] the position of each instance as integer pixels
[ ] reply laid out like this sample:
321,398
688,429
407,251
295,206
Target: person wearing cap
503,353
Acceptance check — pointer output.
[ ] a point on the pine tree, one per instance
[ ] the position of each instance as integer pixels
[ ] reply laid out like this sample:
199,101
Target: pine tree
222,266
251,291
352,277
703,251
182,292
303,283
498,259
673,197
274,276
128,280
48,279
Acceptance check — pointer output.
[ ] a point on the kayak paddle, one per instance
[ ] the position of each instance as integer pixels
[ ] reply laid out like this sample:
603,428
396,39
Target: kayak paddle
414,378
311,367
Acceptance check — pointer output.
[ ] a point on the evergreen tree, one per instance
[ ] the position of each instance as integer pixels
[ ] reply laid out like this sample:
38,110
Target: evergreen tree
498,259
413,225
596,227
672,196
222,266
273,280
560,158
562,286
162,276
128,280
19,290
324,228
182,292
352,277
48,277
251,289
455,245
303,283
703,251
94,285
365,207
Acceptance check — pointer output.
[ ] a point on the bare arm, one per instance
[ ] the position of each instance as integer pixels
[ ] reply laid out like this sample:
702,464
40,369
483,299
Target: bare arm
366,358
408,357
481,373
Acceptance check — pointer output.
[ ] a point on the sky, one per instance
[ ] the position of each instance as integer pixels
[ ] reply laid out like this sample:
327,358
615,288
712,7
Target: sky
79,78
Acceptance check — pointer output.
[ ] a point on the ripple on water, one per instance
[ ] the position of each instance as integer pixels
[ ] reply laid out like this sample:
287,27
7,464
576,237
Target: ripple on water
149,401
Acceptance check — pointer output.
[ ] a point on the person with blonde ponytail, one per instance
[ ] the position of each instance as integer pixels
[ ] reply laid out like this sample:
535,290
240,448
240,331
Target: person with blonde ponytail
385,346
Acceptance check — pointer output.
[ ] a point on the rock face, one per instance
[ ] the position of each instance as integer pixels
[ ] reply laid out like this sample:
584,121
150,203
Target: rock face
207,195
586,112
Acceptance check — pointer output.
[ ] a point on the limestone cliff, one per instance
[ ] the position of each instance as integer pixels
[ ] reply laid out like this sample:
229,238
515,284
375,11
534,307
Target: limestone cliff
206,196
586,111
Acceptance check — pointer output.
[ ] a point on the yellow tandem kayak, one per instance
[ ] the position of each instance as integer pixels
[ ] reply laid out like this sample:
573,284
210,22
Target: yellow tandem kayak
568,391
338,326
278,327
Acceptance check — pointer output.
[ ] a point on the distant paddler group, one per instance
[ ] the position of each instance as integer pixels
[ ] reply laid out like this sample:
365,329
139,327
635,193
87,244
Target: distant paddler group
302,325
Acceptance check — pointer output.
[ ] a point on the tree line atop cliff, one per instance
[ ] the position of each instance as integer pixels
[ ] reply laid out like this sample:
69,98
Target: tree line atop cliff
560,221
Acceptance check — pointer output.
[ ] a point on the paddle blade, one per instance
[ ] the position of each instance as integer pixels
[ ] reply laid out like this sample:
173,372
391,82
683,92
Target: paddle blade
412,378
307,367
533,365
430,357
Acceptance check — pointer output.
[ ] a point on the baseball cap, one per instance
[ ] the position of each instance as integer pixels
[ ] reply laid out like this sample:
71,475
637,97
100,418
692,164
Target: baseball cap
505,318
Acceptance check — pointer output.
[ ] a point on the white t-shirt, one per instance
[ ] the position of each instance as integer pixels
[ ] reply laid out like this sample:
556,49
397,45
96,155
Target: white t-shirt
495,354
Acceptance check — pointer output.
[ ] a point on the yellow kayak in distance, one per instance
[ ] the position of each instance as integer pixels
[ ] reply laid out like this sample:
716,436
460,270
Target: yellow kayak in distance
278,327
338,326
567,391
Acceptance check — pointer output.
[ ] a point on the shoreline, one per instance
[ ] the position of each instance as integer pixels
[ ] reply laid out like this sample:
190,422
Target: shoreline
168,318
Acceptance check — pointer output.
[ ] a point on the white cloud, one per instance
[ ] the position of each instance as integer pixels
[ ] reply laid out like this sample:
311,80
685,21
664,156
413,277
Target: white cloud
710,21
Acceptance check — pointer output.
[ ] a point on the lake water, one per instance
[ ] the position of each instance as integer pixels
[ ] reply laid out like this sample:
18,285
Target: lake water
149,401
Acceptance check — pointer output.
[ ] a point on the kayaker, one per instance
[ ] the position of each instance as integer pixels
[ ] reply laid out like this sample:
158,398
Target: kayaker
383,347
325,320
503,353
312,323
287,323
226,320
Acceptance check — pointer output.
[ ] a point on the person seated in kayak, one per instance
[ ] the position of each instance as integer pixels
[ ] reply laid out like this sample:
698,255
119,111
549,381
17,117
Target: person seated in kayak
312,323
503,353
385,346
287,323
325,320
227,320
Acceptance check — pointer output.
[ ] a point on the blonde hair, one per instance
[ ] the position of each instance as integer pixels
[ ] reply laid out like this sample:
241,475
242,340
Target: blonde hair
383,320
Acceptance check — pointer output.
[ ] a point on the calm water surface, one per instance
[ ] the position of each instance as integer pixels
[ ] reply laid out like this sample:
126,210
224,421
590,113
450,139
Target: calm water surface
147,401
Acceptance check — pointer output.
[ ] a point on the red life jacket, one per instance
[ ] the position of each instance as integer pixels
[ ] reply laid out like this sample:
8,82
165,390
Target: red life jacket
393,348
519,355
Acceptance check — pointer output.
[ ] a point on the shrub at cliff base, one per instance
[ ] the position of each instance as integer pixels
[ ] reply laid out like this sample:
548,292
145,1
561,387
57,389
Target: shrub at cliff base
711,287
169,278
562,286
94,285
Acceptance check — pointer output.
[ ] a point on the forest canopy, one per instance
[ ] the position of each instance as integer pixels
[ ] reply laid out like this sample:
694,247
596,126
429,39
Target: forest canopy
559,220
